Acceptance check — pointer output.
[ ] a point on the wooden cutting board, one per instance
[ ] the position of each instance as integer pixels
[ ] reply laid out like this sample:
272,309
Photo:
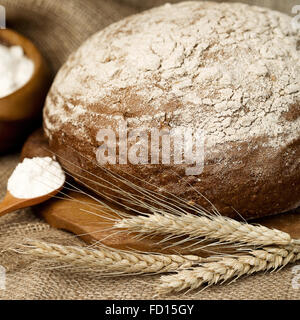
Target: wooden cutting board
79,216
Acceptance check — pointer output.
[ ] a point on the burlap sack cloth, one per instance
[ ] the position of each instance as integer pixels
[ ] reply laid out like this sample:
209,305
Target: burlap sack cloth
57,28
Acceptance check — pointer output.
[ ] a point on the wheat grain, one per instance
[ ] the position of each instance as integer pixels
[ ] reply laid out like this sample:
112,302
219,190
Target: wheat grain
210,228
171,218
107,260
227,268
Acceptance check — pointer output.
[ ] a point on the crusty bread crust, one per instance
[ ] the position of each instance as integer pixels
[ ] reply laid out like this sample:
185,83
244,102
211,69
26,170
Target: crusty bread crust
229,69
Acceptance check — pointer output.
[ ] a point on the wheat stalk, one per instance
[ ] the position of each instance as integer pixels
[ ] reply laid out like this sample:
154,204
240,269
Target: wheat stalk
107,260
227,268
170,216
210,228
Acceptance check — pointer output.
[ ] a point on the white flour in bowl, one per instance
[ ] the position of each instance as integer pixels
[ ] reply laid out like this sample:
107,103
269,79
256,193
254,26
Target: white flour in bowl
35,177
15,69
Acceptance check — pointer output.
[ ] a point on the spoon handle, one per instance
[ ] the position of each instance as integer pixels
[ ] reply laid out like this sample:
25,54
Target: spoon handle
10,204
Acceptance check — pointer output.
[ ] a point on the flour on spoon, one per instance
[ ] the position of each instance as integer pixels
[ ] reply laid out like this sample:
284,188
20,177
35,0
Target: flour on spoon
35,177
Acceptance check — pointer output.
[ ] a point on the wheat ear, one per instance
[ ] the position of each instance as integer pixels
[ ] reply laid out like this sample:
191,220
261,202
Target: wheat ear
107,260
210,228
227,268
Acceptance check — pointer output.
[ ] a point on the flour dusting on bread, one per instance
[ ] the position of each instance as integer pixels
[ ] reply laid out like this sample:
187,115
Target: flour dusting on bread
232,70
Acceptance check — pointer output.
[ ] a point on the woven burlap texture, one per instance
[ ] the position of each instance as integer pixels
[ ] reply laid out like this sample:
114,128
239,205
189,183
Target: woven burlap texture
57,28
280,5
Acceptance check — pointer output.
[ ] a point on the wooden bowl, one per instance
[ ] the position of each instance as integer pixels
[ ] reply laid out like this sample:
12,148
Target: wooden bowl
20,111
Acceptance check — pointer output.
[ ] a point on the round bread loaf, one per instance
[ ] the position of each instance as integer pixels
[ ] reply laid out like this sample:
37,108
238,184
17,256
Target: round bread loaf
231,70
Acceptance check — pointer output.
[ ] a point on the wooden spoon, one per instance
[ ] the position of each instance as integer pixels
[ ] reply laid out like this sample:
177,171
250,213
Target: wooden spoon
11,203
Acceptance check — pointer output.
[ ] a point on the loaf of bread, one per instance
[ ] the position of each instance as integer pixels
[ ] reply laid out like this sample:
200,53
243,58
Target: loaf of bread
231,70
